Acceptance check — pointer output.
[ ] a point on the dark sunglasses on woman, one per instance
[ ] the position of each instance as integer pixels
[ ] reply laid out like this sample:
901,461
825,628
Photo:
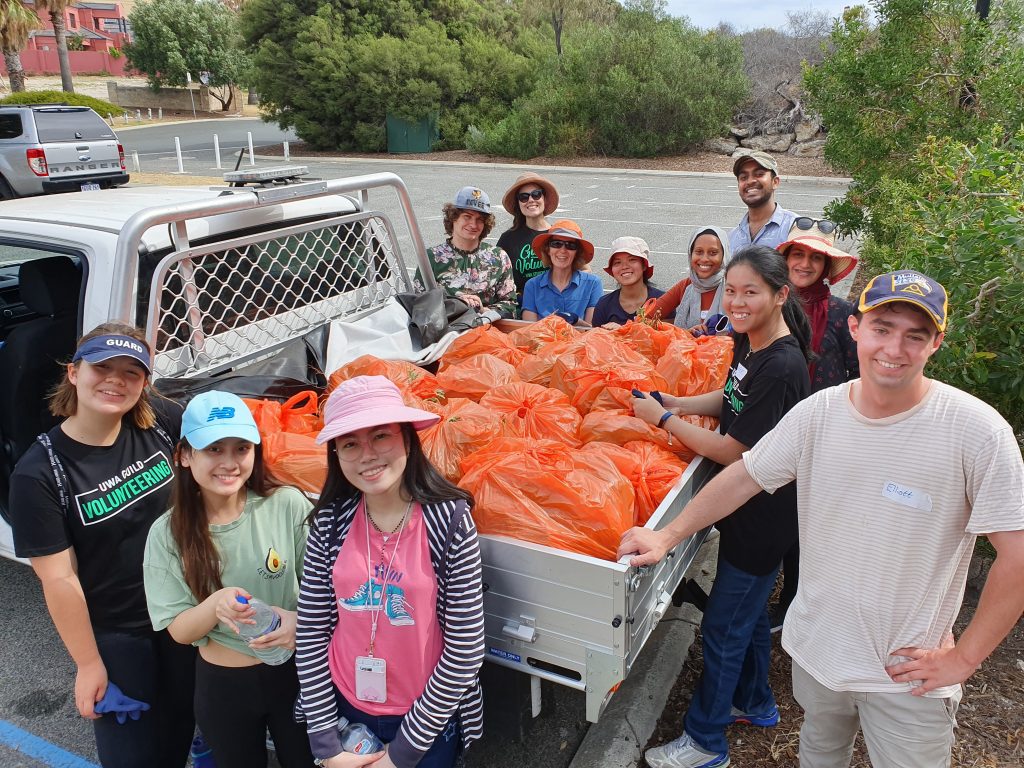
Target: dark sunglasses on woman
806,222
536,194
569,245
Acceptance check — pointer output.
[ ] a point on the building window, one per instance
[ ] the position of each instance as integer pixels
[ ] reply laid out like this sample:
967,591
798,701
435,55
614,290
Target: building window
71,21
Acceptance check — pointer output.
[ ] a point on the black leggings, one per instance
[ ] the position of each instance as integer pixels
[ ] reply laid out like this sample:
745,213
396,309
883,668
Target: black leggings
236,705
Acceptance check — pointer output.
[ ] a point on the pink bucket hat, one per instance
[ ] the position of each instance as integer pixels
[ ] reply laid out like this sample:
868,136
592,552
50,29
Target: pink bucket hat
368,401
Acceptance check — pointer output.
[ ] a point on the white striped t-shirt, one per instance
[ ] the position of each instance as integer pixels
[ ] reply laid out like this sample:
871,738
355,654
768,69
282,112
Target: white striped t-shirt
889,509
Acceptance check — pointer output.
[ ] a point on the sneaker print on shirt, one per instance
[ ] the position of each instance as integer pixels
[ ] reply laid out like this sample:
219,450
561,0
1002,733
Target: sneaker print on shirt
368,596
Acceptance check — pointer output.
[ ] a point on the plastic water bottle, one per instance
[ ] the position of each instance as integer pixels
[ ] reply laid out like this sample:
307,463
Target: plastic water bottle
201,754
267,620
357,739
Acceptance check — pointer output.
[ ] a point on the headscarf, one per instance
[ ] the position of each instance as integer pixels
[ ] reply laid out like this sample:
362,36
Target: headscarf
688,311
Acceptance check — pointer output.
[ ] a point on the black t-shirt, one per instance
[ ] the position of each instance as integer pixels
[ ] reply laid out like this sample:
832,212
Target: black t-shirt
518,244
609,307
762,386
115,494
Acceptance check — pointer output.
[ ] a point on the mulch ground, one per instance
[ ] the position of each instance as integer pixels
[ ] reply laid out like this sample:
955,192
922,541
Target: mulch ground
991,715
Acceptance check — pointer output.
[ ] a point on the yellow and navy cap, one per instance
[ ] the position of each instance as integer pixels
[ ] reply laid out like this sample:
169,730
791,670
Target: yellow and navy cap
909,286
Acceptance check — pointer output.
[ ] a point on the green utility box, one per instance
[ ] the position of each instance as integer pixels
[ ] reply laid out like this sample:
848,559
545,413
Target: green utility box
405,137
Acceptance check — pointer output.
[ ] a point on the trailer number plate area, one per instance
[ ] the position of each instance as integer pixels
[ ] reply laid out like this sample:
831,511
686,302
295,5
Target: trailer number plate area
501,654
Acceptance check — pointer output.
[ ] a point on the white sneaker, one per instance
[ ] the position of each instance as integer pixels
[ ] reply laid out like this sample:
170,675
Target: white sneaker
684,753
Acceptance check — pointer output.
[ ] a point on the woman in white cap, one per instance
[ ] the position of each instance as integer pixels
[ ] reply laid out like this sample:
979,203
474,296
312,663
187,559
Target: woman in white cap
530,199
479,274
391,625
565,289
815,264
86,494
231,532
697,297
630,265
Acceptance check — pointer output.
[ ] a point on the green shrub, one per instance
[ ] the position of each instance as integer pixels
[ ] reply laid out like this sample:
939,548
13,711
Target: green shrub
63,97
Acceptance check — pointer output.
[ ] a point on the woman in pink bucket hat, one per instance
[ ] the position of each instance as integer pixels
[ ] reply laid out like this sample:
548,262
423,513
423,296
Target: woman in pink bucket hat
390,627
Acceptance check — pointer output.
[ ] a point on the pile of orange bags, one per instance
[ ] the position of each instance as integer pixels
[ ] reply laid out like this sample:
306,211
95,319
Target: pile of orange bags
288,433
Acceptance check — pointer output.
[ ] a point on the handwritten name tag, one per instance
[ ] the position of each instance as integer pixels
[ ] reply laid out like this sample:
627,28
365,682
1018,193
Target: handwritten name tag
740,372
907,496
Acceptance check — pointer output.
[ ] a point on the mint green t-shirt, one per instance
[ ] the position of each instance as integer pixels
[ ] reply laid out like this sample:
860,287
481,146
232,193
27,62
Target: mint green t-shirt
261,552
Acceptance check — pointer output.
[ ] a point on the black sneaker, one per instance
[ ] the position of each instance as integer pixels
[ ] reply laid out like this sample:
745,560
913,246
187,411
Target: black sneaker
776,615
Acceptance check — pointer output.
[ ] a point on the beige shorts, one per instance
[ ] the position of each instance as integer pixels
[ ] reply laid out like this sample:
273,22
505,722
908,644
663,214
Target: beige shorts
900,730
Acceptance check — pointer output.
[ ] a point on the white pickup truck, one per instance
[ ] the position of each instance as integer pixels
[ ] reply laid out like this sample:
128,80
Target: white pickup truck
292,280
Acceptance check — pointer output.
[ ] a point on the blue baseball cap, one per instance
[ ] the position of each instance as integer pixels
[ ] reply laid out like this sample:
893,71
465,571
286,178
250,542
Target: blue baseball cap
212,416
100,348
911,287
473,199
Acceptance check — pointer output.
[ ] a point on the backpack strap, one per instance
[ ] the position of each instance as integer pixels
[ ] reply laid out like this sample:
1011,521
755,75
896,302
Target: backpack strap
59,475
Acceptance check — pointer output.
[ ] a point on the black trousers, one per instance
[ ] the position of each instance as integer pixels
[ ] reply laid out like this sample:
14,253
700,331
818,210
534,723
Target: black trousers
235,706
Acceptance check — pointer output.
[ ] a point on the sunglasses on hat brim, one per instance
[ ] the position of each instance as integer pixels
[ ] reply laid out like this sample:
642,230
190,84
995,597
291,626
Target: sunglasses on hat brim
807,222
535,194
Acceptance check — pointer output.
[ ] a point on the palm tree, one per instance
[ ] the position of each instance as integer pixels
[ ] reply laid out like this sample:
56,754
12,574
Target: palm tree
56,9
16,23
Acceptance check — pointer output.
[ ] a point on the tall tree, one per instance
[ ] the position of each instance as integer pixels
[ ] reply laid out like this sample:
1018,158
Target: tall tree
560,13
16,23
56,9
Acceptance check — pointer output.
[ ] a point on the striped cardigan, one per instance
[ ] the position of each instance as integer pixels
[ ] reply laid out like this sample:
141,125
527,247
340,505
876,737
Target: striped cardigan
453,687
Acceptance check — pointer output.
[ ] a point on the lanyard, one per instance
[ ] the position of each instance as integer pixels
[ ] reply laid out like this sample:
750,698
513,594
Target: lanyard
375,613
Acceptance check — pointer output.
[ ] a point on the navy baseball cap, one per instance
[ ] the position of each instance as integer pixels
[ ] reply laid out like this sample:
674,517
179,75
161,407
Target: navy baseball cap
100,348
473,199
911,287
214,415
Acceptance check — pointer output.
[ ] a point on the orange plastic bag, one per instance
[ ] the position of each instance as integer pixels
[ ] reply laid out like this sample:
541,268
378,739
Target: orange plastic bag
530,410
548,493
551,328
693,369
465,427
406,376
657,471
648,341
295,460
622,428
476,376
482,340
600,351
611,384
536,368
298,414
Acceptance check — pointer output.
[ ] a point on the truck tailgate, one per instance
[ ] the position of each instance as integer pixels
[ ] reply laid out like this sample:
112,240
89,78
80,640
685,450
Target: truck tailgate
85,158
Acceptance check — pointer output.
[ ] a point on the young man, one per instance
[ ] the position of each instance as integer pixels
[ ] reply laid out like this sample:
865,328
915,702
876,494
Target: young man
896,475
765,222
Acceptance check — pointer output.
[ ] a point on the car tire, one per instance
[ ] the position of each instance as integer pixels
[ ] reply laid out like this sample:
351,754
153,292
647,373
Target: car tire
6,193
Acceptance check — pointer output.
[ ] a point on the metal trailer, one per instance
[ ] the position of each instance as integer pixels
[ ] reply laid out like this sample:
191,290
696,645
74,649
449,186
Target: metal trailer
218,302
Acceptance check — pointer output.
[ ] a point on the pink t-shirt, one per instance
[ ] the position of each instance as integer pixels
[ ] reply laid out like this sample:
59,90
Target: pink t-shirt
409,636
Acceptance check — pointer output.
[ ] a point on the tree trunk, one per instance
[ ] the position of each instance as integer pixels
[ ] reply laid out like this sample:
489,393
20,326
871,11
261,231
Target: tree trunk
61,33
15,70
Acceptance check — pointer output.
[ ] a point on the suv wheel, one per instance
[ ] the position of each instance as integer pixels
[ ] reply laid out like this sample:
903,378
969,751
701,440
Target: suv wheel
6,193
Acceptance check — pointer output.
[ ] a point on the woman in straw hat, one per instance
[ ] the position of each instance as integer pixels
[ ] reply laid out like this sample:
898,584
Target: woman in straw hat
530,199
565,288
815,264
391,625
630,265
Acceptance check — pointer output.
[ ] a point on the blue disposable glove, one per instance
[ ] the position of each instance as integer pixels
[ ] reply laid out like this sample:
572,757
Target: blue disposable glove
123,707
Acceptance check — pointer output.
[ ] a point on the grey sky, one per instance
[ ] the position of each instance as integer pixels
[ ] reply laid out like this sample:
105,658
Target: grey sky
749,14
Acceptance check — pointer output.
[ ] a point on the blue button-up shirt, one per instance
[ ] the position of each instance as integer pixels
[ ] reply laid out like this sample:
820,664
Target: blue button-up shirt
583,291
773,233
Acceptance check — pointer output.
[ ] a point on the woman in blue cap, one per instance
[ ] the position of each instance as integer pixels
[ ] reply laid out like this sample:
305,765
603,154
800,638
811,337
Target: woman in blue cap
84,497
232,532
479,274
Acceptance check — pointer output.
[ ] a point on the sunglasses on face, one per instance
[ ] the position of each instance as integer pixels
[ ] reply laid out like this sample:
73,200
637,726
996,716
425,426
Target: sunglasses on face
569,245
536,194
806,222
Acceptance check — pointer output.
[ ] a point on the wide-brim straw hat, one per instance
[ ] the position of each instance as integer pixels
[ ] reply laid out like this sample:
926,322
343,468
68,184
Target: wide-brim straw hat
840,263
368,401
510,204
564,229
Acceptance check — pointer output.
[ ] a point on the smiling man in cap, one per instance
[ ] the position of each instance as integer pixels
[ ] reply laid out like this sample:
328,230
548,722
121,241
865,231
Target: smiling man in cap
896,475
765,222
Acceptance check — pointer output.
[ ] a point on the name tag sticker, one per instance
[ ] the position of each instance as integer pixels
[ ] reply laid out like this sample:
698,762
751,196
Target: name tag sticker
741,371
907,496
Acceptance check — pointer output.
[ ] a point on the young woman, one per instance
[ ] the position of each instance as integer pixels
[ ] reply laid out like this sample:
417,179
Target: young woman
768,376
630,265
695,298
479,274
530,199
85,495
815,264
391,627
230,525
564,288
